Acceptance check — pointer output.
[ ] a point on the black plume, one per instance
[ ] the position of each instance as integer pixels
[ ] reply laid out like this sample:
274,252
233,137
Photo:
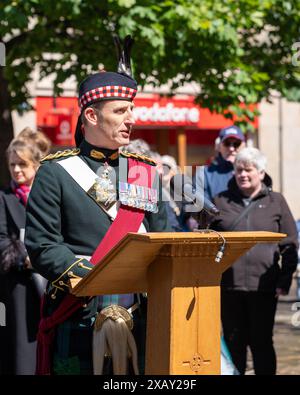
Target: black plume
124,64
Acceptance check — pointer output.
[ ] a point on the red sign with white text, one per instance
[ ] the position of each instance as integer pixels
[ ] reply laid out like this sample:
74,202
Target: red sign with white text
151,111
156,110
180,110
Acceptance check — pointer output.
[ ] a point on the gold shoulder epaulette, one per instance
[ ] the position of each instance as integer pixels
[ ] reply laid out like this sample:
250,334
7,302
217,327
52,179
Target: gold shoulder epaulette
62,154
142,158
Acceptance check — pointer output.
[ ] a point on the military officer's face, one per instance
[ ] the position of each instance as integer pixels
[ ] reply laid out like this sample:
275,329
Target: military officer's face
22,170
111,124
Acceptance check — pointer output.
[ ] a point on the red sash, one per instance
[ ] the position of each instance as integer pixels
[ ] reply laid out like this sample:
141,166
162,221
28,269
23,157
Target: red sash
128,219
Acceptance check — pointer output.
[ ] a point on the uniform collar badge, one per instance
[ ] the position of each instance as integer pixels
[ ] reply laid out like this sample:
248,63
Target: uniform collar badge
100,155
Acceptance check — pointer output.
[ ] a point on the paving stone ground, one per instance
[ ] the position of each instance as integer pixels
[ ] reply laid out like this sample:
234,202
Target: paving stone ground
287,339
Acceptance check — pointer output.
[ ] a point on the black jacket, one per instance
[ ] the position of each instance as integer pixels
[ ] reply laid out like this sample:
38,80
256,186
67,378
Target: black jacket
12,219
266,266
19,292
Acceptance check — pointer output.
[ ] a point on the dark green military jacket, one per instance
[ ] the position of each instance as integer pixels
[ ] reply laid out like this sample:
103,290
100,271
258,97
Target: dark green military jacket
63,221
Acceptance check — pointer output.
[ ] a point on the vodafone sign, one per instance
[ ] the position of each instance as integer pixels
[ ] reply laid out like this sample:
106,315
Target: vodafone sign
151,111
166,114
154,110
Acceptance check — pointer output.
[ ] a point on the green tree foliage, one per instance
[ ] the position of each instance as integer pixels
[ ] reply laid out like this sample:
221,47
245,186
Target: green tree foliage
239,51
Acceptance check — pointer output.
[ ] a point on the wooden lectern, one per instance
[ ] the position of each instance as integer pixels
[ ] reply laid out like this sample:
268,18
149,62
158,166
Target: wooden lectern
182,279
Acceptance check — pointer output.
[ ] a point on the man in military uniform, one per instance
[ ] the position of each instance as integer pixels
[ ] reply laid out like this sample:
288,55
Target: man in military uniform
70,210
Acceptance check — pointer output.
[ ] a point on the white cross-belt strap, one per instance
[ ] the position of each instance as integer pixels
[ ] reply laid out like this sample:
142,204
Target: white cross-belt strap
85,178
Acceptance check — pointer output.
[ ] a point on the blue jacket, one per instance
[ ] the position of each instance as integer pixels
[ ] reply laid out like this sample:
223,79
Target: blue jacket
216,177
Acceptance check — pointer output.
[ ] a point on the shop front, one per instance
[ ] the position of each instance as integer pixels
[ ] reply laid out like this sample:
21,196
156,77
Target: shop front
171,125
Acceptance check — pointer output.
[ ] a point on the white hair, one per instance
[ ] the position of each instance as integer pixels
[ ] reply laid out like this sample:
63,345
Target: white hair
137,146
251,156
217,143
170,162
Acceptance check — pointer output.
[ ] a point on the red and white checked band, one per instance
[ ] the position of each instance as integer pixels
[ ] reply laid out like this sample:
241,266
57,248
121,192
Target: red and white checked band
107,92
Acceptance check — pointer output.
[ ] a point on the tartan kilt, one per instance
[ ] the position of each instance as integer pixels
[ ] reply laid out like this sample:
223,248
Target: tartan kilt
72,353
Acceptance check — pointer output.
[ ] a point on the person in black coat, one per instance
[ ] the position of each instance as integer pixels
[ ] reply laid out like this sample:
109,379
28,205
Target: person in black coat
251,287
21,287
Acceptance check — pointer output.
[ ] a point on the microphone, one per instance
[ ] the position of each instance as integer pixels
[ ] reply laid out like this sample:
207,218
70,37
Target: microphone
182,186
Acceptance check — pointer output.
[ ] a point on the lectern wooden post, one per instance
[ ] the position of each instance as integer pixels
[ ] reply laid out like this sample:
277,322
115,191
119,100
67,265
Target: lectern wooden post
182,279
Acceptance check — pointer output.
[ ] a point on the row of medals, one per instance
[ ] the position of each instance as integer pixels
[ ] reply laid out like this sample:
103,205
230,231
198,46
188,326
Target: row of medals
135,196
130,195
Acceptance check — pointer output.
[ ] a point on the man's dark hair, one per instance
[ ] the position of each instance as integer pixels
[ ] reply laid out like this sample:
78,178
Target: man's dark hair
96,106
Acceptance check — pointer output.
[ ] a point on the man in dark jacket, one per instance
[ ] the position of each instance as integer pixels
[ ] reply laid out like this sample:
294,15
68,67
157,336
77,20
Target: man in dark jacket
250,288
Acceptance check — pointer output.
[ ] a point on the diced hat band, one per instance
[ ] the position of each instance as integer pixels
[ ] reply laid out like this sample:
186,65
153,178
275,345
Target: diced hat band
106,92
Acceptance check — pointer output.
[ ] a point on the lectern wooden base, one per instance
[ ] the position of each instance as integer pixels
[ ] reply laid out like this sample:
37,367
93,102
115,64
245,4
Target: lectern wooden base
183,283
183,318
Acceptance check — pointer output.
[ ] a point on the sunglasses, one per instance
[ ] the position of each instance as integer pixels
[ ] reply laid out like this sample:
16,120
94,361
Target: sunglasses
234,144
